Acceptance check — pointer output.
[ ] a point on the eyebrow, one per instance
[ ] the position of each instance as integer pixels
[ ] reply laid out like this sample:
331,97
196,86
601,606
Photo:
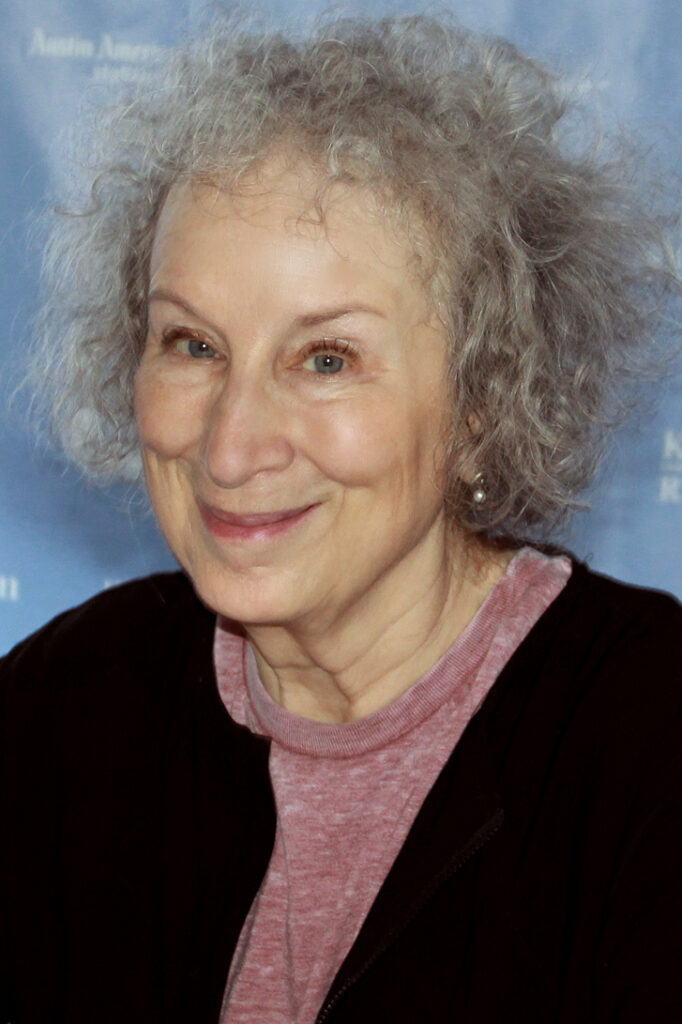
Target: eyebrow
312,319
325,315
166,295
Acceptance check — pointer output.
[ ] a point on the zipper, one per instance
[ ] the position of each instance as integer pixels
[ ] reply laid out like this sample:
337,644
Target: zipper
479,839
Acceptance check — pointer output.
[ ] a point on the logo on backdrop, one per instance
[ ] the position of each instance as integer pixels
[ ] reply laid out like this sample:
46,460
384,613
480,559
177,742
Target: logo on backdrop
670,485
9,588
109,60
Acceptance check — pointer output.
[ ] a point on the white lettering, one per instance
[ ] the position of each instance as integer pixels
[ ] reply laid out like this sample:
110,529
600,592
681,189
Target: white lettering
43,45
672,445
115,74
670,492
129,53
9,588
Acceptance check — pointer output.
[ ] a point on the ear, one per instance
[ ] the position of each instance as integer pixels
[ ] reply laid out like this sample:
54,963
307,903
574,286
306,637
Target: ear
467,470
474,423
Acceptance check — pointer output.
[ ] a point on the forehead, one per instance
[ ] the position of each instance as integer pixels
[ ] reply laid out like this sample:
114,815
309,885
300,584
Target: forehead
285,205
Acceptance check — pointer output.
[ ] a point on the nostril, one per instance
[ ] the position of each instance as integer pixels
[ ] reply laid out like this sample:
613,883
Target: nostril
245,438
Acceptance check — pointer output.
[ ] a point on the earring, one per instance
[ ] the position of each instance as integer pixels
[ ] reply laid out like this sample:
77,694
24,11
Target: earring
478,492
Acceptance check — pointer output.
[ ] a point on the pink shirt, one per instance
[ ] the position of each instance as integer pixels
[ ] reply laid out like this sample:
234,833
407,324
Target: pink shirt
347,795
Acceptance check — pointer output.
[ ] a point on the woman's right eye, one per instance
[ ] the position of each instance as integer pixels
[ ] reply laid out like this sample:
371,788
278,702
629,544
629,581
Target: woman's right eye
195,348
186,345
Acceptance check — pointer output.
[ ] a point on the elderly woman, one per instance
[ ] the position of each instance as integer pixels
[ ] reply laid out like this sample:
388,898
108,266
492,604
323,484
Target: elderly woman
368,757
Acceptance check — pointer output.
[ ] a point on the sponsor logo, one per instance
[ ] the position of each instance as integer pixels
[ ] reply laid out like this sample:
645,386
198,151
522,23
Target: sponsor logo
65,47
670,483
9,588
110,59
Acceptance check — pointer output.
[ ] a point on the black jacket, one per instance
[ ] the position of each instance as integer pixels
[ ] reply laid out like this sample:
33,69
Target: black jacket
541,881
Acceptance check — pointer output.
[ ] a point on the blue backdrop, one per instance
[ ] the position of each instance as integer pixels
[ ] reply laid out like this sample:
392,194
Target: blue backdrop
63,540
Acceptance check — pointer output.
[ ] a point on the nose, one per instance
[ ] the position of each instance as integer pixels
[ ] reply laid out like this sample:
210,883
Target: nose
246,433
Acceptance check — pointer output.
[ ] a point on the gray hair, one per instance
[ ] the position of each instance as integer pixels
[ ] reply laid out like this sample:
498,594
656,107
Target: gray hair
549,277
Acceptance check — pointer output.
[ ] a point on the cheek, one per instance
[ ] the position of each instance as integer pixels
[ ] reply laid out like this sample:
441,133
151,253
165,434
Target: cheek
390,443
168,420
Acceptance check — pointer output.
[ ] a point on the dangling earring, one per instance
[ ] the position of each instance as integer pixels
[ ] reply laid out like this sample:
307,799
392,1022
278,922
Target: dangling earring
478,492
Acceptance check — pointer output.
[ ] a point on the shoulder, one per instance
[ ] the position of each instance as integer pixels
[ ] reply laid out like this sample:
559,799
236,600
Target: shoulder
595,614
601,670
135,622
619,595
599,614
600,674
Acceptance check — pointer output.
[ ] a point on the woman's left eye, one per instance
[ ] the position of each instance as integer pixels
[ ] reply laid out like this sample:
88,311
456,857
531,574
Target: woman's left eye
327,357
325,363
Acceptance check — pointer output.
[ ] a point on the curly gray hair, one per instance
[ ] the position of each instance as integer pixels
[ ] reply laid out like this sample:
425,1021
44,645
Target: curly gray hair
549,277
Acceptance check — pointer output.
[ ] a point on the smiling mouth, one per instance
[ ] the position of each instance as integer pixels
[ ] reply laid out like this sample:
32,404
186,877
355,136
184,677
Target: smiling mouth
256,525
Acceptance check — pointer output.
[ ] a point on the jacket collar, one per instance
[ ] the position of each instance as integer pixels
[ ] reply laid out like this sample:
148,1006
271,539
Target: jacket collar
465,809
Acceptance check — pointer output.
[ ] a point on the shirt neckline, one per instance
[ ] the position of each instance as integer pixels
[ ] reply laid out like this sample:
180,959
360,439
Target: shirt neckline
450,678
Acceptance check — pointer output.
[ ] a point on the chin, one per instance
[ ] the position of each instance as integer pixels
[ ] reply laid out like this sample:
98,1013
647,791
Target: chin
247,601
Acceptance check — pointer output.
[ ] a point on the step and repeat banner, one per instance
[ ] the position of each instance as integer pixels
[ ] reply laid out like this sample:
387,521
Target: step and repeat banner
62,539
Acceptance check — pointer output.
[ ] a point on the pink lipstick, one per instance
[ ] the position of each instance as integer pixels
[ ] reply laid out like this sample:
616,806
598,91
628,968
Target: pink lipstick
254,526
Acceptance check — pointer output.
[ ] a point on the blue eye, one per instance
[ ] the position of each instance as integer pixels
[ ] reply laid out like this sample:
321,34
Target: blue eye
196,348
328,356
328,363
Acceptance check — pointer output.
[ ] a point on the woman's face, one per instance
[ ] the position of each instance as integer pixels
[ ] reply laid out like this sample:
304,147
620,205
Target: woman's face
291,401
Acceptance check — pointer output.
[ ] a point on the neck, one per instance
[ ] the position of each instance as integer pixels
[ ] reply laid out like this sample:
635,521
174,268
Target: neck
368,655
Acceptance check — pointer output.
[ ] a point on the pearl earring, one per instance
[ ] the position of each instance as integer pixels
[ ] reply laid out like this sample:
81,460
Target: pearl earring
478,492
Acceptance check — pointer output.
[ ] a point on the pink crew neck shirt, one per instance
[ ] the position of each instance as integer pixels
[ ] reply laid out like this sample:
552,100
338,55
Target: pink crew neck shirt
347,794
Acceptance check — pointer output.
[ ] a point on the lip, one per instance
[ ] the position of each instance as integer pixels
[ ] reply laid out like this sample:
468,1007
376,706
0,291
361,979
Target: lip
255,525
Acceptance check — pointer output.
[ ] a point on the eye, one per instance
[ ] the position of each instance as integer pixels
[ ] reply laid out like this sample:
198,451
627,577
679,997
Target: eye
183,342
327,357
195,348
325,364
